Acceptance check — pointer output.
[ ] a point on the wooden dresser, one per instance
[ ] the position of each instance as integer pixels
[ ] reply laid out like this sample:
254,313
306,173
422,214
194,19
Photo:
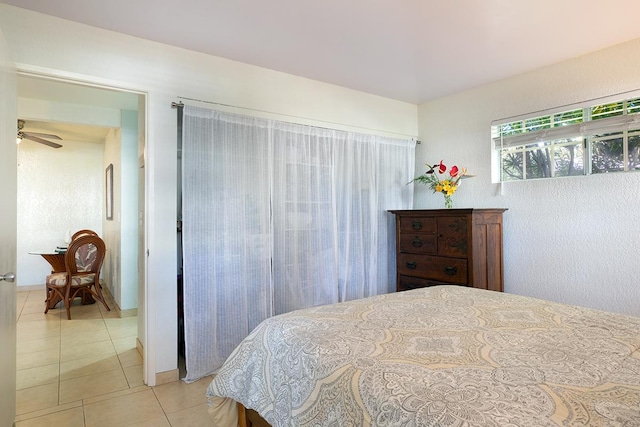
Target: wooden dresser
449,246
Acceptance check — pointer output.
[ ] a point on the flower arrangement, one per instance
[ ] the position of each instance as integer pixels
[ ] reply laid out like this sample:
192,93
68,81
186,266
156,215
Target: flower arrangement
436,179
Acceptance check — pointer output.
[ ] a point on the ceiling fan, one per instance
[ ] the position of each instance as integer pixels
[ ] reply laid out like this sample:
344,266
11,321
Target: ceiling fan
37,137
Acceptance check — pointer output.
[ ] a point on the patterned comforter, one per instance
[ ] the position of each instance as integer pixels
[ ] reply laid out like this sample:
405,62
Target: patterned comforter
440,356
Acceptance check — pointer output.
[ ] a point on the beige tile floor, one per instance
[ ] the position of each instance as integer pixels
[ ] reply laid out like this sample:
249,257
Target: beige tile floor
87,372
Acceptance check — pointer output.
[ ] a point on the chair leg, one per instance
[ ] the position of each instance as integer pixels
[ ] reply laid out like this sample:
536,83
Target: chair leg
51,294
46,301
99,296
67,302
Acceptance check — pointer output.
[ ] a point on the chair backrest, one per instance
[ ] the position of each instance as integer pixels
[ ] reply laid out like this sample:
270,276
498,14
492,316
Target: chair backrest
82,233
85,254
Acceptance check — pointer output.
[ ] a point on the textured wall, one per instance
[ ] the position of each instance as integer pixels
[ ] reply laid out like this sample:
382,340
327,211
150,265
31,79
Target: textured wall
111,228
120,269
573,240
58,190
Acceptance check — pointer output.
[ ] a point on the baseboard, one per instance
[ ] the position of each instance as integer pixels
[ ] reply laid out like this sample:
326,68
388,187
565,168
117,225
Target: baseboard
140,347
167,376
161,377
132,312
30,288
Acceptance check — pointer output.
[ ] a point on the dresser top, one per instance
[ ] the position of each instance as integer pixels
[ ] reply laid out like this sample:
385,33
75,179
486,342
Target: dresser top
419,212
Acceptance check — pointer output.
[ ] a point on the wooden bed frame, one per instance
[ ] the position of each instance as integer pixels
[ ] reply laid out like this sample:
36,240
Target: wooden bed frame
250,418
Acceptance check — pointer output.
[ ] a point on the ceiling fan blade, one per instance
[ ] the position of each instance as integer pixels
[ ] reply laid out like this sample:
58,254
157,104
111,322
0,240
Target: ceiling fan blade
42,141
43,135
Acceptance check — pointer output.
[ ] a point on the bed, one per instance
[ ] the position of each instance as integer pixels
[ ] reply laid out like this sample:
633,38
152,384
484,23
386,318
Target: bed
439,356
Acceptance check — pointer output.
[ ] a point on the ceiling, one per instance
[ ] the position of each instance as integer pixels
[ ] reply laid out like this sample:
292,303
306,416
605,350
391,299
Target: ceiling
74,94
410,50
67,131
77,94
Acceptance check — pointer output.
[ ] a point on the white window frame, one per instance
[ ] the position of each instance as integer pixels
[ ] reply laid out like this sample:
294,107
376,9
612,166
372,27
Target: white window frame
586,132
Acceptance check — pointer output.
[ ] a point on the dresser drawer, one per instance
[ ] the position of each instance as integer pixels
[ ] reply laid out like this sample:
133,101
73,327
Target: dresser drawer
406,283
452,236
449,270
418,225
418,243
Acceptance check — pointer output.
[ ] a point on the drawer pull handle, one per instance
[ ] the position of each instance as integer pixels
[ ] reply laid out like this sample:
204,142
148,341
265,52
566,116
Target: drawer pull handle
416,242
451,271
416,225
412,265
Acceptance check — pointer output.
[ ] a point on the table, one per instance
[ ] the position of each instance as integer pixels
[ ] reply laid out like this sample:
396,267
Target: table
55,259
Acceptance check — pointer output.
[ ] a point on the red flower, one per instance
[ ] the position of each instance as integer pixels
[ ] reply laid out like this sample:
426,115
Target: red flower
442,168
453,172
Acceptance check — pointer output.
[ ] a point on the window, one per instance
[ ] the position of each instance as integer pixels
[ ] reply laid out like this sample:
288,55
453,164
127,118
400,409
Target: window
597,137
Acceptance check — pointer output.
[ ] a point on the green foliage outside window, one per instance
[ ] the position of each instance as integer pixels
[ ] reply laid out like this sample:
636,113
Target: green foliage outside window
570,156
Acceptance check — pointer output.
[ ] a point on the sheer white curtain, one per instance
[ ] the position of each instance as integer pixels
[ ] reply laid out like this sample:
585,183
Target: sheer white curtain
372,173
226,233
280,216
305,268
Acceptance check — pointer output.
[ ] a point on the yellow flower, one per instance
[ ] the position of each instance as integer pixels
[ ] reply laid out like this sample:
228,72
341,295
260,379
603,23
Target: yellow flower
437,179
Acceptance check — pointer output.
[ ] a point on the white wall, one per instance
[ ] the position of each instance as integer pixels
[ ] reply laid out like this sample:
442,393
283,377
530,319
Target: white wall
128,211
120,269
58,190
574,240
142,259
111,234
65,49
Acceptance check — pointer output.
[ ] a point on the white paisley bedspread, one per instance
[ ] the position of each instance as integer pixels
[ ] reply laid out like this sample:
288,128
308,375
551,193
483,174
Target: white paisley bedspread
441,356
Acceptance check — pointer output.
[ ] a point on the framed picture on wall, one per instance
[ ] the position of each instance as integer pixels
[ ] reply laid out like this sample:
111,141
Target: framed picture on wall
109,191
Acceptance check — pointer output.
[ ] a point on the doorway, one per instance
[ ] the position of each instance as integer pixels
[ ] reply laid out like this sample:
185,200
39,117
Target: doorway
99,126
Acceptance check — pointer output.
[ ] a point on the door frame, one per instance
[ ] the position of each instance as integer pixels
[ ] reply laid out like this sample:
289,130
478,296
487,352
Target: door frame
8,236
148,356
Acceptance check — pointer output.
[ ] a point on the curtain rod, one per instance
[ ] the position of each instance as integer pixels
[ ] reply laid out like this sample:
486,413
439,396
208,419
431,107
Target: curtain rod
180,104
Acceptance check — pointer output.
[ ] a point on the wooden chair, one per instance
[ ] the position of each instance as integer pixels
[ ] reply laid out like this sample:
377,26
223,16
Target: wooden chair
83,261
82,233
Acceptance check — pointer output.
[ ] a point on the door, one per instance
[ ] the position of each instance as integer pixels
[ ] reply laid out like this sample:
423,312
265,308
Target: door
8,197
